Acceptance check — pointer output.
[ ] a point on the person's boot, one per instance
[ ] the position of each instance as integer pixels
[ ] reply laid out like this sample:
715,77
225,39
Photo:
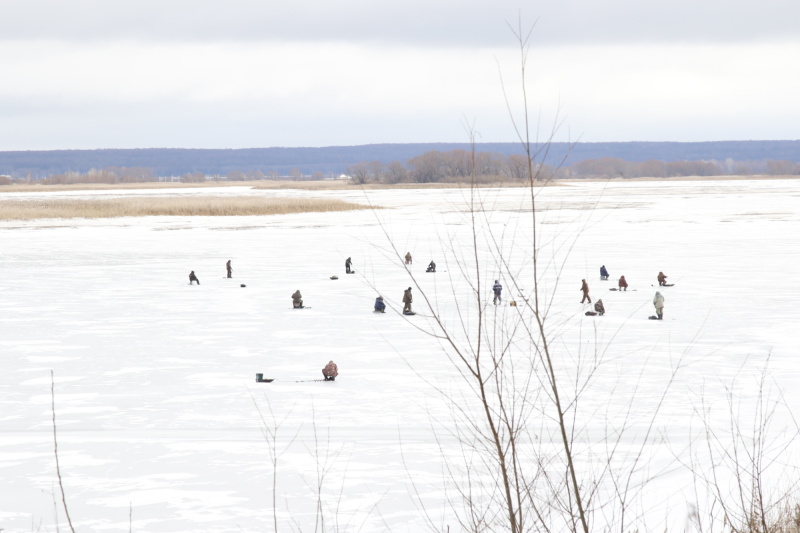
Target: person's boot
660,316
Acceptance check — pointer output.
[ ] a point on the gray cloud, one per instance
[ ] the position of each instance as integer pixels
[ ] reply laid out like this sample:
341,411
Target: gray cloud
412,22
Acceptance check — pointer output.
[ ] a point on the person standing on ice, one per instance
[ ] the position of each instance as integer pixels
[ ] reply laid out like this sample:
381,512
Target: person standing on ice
380,307
603,273
623,285
330,371
408,258
347,265
585,290
193,278
658,302
407,299
662,279
497,288
229,268
297,299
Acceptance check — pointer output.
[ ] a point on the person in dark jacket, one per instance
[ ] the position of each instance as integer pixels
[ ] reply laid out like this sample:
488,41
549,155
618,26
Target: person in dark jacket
408,258
330,371
431,267
603,272
623,285
380,307
585,290
297,299
193,278
347,265
662,279
498,289
229,268
599,308
407,299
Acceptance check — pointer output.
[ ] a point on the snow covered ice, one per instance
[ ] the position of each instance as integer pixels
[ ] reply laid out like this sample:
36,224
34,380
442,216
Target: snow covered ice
156,402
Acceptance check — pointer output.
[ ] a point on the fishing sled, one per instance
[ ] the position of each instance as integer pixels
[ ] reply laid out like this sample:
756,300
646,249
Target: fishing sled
260,379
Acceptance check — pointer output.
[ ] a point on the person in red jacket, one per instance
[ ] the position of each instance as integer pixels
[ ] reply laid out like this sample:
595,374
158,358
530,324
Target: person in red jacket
623,285
330,371
585,290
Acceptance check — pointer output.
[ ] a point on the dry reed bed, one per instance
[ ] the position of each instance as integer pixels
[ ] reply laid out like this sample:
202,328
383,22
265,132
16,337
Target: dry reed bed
209,206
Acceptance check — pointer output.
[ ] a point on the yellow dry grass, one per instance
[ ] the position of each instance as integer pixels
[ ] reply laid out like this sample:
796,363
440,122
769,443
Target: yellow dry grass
208,206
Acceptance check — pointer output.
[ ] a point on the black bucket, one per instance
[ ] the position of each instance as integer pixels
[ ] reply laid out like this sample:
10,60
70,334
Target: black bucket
259,378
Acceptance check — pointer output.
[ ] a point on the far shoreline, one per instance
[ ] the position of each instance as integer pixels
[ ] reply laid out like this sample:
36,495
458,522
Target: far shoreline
343,185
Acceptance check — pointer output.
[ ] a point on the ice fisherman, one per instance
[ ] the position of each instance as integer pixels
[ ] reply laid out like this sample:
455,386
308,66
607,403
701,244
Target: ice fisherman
297,299
585,290
599,307
662,279
623,285
408,258
407,299
229,268
431,267
497,288
380,307
603,272
658,302
330,371
347,265
193,278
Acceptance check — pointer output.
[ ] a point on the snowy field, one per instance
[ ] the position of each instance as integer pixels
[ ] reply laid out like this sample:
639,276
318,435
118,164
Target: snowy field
156,402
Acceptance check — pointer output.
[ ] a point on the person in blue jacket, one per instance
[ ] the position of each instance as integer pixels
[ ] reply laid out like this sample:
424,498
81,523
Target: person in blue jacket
603,272
380,307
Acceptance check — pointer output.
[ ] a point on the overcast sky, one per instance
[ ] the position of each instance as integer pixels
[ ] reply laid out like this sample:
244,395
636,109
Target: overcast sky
257,73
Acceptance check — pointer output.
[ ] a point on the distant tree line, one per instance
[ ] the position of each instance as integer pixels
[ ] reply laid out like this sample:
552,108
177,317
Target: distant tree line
448,166
285,161
459,165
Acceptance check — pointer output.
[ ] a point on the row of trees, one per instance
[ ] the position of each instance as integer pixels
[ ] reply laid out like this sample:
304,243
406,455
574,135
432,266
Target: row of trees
457,165
611,167
451,166
436,166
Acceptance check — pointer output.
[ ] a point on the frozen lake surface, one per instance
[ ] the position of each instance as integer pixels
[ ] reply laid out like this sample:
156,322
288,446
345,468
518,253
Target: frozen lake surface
160,421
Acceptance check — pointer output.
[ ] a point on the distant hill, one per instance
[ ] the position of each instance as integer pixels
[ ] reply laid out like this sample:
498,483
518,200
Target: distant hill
335,159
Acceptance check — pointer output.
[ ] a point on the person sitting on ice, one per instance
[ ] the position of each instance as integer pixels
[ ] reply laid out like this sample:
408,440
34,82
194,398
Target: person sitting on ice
380,307
599,307
193,278
297,299
431,267
662,279
330,371
623,285
603,272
